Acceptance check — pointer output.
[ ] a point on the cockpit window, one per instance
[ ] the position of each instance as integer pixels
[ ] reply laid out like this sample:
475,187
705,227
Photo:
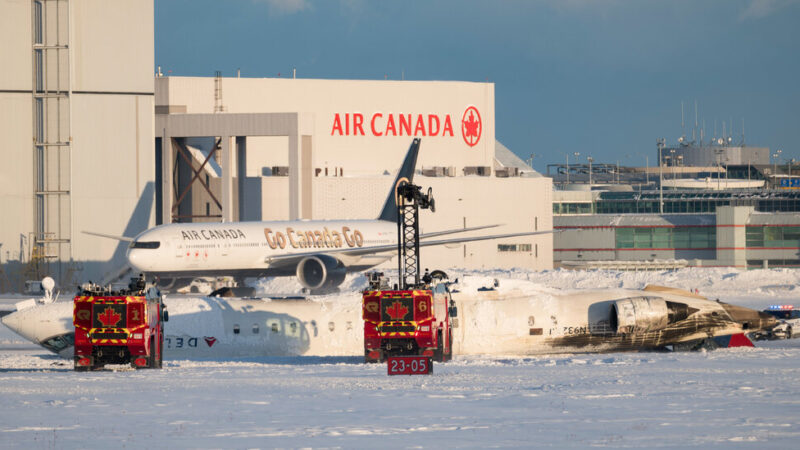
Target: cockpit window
145,244
57,343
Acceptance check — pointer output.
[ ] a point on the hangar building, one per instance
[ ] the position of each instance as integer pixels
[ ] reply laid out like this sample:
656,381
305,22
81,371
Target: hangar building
76,116
335,158
94,143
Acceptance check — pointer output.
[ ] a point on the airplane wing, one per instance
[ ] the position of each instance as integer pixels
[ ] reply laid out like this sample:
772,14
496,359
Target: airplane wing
359,251
456,230
109,236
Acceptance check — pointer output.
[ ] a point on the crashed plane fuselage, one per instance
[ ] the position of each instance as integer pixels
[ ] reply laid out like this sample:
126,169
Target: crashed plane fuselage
520,320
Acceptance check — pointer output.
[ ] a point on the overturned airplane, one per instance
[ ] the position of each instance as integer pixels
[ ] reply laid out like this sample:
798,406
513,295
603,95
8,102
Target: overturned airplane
516,318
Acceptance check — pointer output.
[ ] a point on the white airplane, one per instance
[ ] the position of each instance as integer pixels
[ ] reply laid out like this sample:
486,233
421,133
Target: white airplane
319,252
517,318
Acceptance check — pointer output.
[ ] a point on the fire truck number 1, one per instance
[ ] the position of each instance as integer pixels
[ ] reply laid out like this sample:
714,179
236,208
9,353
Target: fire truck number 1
135,315
409,365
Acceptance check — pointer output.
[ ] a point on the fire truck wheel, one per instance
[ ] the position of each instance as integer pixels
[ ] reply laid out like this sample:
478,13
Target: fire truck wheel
438,354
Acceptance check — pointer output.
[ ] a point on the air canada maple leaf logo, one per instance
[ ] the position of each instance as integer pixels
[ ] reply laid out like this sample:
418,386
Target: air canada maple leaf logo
397,311
109,318
471,126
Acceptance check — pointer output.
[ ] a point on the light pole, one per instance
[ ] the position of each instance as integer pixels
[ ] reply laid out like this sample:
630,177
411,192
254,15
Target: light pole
672,163
718,152
530,160
660,145
775,162
727,163
576,154
748,173
590,171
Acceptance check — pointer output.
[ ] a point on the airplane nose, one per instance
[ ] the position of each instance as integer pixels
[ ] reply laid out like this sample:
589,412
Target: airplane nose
133,257
136,259
18,323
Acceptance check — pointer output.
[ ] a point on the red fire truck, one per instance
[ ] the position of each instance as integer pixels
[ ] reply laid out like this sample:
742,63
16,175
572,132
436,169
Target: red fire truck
119,326
408,322
414,318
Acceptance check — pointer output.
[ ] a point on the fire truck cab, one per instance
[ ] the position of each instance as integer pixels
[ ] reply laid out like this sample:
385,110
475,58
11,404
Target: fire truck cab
408,322
119,326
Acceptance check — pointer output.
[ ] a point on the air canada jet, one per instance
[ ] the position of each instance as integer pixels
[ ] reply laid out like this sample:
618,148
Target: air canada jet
516,318
319,252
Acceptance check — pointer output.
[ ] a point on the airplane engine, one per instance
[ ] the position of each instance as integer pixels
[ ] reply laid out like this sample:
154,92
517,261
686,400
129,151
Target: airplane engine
645,314
321,273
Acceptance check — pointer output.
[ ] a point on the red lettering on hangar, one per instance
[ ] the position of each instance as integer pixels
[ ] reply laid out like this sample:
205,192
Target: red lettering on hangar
391,124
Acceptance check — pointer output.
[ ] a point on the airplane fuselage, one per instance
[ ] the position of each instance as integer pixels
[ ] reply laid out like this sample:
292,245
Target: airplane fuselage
254,248
509,322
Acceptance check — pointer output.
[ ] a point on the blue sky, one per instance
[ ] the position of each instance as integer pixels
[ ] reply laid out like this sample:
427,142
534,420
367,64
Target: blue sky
601,77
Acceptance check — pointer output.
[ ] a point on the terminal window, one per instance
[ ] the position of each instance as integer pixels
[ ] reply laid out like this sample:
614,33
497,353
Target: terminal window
766,236
666,237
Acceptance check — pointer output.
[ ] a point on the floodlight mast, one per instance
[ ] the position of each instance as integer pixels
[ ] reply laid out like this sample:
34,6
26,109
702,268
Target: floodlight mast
409,201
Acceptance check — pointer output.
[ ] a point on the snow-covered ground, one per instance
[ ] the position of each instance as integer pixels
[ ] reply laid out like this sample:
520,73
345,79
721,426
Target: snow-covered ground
746,398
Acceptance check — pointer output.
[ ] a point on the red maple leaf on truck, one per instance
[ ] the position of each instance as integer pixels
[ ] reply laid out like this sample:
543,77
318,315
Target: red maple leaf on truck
109,318
397,311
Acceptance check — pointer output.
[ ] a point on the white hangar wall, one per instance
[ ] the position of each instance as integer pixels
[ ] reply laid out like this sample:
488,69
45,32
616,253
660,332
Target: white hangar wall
336,104
76,89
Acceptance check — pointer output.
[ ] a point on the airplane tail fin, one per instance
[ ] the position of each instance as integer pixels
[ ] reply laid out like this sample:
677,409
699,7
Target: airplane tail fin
406,173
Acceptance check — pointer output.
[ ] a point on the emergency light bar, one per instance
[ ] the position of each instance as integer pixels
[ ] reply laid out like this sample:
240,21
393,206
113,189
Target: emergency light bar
781,307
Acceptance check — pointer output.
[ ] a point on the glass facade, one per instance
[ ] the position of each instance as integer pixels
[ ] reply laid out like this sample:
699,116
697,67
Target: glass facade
683,202
666,237
759,236
572,208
